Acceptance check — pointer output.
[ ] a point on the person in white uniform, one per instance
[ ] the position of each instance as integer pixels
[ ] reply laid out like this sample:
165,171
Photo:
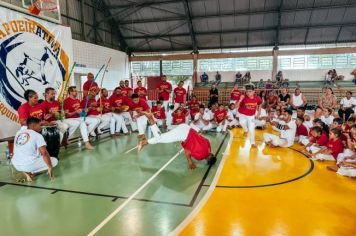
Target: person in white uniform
286,127
30,153
201,121
232,117
261,121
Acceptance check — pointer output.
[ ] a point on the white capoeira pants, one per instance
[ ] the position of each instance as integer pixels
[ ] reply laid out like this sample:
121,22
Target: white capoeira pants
118,123
233,122
105,120
221,127
86,127
300,138
320,157
63,127
37,166
179,134
140,124
248,125
159,122
347,171
343,155
275,140
260,123
200,126
165,105
127,118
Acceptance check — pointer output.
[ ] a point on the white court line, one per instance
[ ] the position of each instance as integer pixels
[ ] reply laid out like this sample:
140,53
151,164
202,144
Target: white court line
114,213
207,195
131,149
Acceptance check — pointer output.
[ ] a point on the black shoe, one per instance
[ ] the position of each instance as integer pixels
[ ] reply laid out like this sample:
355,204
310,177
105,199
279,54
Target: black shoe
212,160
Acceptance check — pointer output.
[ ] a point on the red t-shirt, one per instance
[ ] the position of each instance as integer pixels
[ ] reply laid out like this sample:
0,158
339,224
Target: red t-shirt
336,146
178,119
235,95
92,104
193,103
322,140
179,95
272,100
159,113
220,116
87,84
301,130
25,111
105,103
248,106
49,108
197,145
117,100
164,94
139,90
126,91
138,107
193,111
72,105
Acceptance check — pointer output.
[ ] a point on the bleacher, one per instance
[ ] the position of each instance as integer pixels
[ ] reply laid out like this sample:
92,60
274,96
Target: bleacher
311,89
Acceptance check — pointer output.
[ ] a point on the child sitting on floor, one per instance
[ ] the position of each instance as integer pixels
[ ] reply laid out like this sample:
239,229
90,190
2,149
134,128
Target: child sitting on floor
327,117
261,121
301,131
232,121
332,149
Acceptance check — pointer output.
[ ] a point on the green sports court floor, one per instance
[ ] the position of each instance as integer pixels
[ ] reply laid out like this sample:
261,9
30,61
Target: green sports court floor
90,185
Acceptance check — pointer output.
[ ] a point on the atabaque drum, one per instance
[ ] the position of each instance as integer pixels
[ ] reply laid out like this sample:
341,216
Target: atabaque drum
52,138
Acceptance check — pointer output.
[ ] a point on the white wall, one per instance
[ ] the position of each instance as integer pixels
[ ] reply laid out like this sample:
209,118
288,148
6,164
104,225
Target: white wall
292,75
94,56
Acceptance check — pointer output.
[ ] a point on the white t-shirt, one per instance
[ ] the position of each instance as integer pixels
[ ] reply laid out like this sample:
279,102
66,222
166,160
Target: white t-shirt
231,114
347,103
206,116
289,134
263,113
327,120
26,147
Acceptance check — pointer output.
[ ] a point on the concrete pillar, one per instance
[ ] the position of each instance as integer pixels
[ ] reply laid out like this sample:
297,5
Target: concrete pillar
274,63
195,69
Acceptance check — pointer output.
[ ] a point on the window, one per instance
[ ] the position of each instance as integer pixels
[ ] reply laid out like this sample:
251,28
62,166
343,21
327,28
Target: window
235,64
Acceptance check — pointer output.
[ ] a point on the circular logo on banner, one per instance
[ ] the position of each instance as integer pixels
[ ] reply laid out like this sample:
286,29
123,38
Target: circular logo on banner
30,58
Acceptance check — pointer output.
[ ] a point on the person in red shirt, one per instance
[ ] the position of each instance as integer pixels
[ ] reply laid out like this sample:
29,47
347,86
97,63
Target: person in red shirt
179,95
31,108
53,114
106,111
247,107
139,110
128,88
72,111
120,112
235,94
94,110
332,149
164,89
220,117
193,102
159,114
141,91
90,85
301,131
194,145
178,117
124,90
271,101
318,139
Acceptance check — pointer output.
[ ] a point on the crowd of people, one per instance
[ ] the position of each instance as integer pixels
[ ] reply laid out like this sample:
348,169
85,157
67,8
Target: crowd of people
326,133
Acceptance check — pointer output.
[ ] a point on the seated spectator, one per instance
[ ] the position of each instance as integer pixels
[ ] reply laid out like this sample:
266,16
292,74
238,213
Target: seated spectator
201,122
302,132
159,114
30,153
287,129
204,78
261,121
283,99
347,106
235,94
354,74
220,118
328,78
297,100
327,116
285,83
271,101
232,119
268,85
327,100
261,84
178,117
332,149
217,78
238,78
247,78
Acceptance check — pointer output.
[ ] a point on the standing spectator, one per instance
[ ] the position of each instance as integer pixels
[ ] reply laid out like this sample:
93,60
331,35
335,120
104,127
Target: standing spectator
141,91
218,78
204,78
298,99
91,85
179,95
164,89
247,78
327,100
238,78
213,95
328,78
279,76
348,103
